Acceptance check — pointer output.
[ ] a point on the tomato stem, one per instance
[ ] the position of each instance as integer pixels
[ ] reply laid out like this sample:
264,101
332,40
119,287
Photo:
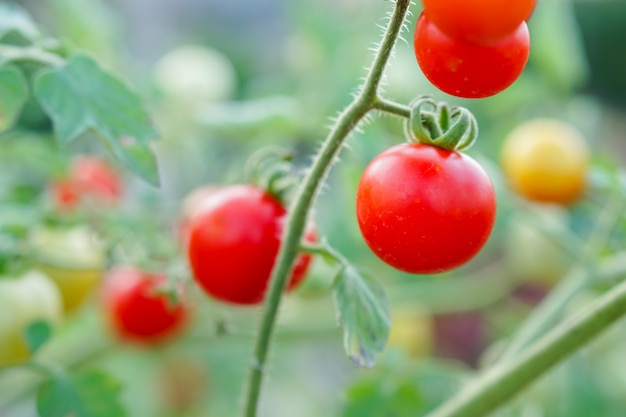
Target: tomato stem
502,382
364,102
392,108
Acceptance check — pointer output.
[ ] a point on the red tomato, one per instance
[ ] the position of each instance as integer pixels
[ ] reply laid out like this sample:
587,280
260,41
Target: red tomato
422,209
137,311
89,178
478,20
466,69
234,241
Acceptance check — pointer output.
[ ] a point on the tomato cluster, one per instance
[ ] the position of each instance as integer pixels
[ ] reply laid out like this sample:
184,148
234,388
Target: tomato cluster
473,48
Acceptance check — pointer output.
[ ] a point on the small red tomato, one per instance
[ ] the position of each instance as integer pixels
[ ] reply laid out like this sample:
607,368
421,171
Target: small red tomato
89,178
136,308
422,209
478,20
466,69
234,242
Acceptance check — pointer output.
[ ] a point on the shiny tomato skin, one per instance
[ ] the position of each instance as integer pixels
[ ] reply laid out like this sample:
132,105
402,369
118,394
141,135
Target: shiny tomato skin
424,210
137,311
234,241
478,20
470,70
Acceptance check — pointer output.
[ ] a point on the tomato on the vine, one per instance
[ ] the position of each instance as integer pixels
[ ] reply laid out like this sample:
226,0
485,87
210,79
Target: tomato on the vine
24,300
471,70
546,160
234,242
89,178
478,20
422,209
138,309
72,257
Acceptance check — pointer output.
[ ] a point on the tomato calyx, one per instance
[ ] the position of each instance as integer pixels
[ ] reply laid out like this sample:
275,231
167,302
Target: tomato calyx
437,124
271,169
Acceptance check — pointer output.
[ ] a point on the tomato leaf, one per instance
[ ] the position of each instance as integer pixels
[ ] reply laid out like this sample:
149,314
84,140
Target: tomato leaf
37,334
81,97
364,314
13,94
88,394
55,397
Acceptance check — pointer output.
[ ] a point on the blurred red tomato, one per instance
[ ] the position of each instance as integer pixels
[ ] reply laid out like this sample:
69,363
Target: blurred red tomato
89,178
138,309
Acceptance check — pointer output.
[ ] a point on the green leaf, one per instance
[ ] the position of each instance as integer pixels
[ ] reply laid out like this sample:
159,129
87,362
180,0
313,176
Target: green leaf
13,95
16,25
55,397
401,388
81,97
364,314
97,395
88,394
37,334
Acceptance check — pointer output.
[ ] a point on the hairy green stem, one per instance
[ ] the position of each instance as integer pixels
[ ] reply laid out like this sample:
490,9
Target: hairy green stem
502,382
303,200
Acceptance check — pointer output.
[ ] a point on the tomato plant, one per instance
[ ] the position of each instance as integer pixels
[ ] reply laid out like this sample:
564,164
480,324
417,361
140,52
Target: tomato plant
233,244
72,257
546,160
480,21
423,209
138,309
89,178
465,69
24,299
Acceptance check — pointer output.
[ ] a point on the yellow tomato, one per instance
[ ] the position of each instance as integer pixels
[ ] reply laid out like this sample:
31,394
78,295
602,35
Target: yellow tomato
73,258
24,300
546,160
412,332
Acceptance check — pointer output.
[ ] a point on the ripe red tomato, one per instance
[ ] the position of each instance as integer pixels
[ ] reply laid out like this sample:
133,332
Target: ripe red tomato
466,69
478,20
137,311
89,178
234,241
423,209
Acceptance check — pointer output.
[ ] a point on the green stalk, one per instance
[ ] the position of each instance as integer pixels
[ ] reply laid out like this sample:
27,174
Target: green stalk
305,196
546,314
499,384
